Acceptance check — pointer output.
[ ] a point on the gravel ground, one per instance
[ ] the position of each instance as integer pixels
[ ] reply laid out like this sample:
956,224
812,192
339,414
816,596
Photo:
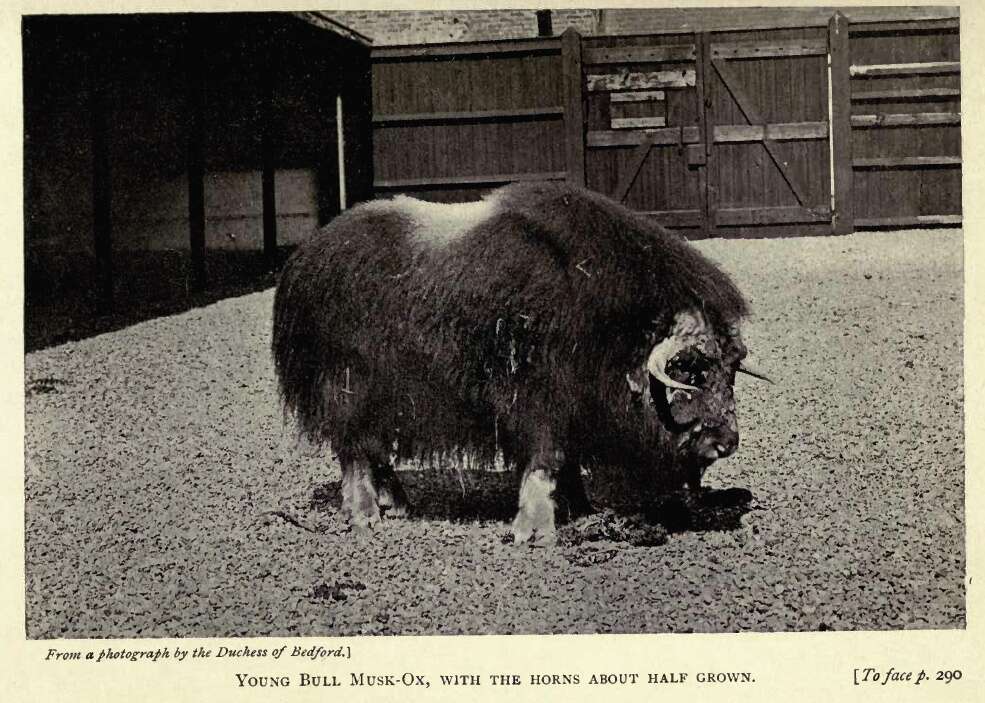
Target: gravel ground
166,497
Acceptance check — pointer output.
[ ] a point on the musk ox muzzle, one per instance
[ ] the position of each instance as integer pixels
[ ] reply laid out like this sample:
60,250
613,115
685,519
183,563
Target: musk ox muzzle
545,325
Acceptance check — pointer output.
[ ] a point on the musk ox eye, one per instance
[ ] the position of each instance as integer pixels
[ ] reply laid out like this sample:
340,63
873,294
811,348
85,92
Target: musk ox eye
690,367
733,351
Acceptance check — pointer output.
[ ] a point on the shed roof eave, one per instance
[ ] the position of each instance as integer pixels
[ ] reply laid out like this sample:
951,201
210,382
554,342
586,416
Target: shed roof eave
323,21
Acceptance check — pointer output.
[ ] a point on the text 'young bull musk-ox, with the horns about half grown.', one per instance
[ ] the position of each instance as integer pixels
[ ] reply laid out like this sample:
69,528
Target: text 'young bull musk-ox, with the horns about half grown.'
545,322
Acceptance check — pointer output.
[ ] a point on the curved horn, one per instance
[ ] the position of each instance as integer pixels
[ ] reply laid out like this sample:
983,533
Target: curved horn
657,363
754,373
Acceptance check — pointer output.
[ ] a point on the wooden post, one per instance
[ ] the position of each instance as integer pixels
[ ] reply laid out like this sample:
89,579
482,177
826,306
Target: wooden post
699,96
328,182
268,188
327,159
843,215
268,155
195,74
101,175
706,125
574,106
340,150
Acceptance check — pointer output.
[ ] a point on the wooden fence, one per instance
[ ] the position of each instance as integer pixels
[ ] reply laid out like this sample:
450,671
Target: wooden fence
905,94
766,132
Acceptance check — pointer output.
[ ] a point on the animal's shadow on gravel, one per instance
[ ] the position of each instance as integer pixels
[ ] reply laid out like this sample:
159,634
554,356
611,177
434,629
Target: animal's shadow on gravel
491,496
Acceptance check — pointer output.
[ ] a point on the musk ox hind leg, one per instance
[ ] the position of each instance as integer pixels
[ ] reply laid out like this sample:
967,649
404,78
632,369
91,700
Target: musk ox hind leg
390,495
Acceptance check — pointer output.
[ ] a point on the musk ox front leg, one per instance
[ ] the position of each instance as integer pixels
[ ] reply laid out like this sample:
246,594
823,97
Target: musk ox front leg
360,502
571,491
534,521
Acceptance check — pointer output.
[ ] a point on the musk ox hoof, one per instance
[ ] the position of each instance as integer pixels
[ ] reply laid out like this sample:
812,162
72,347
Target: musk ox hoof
395,511
392,501
361,531
534,528
362,524
575,509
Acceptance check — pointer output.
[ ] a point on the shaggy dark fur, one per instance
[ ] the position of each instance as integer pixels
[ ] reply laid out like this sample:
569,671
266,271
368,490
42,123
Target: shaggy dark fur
528,323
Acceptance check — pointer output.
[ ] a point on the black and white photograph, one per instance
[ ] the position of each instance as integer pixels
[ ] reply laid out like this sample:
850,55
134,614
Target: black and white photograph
504,321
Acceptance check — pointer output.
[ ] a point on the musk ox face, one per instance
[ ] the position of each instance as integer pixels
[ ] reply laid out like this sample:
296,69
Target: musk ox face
687,381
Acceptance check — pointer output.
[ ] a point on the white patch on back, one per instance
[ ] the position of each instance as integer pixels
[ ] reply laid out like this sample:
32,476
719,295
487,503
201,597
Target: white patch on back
438,224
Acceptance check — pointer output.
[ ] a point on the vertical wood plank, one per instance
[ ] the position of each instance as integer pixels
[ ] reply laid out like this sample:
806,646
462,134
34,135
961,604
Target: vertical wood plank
268,153
926,139
101,175
842,221
195,75
268,190
799,151
702,56
766,190
706,125
633,168
574,114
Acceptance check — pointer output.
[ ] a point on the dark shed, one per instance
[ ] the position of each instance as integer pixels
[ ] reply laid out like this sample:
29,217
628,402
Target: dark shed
189,136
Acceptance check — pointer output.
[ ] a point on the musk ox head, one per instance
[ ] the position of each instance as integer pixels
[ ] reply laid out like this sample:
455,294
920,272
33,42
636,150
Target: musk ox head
687,382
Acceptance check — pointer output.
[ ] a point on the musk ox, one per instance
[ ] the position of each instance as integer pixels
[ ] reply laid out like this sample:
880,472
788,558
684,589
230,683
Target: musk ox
544,322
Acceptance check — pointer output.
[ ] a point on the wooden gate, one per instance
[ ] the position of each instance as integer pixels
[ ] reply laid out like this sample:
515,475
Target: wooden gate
738,132
729,130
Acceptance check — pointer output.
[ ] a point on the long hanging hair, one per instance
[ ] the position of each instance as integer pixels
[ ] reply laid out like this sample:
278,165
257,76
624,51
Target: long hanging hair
528,317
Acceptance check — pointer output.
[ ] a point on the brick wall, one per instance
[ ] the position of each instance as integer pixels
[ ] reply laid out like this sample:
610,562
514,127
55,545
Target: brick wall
712,18
432,26
387,28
